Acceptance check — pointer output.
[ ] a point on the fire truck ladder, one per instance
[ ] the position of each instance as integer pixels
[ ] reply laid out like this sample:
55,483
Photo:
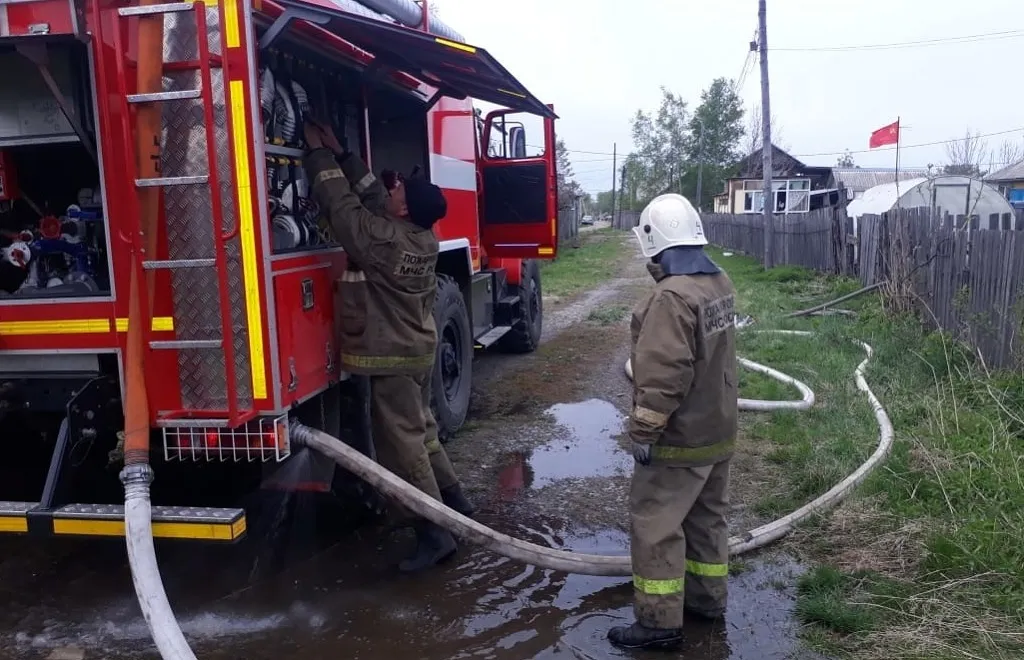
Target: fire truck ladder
209,179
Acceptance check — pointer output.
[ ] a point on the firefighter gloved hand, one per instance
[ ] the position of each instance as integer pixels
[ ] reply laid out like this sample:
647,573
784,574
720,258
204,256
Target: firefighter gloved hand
320,135
642,453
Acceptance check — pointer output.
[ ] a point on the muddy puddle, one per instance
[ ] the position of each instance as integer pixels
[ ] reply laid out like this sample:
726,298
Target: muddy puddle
349,602
584,444
340,596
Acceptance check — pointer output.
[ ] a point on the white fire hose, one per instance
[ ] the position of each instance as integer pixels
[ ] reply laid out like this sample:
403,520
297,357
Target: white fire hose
172,645
149,587
588,564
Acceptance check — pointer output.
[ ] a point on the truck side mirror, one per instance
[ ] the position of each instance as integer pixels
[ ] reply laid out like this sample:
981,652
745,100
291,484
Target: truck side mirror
517,138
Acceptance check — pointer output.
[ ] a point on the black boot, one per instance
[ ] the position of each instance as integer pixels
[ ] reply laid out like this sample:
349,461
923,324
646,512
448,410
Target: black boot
704,615
637,636
454,498
434,544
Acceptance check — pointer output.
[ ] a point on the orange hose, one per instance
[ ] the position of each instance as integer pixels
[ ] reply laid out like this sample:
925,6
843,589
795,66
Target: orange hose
148,120
148,128
136,402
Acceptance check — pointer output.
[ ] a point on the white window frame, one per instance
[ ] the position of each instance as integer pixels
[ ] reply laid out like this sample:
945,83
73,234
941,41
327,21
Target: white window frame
782,187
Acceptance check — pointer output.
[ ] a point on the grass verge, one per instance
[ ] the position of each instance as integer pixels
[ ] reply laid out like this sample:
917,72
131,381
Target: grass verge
580,269
926,559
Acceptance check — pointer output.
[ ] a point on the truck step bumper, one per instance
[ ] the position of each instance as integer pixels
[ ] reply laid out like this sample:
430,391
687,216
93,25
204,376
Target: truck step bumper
96,520
14,516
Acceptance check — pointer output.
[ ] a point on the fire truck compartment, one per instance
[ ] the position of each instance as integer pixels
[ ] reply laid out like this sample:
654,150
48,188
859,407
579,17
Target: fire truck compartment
398,130
385,125
52,221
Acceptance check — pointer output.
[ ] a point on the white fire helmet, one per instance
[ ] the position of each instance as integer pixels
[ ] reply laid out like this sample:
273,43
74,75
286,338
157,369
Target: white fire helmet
669,221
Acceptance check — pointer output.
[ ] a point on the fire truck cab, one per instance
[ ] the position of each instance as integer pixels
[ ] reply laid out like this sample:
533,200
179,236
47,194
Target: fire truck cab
239,278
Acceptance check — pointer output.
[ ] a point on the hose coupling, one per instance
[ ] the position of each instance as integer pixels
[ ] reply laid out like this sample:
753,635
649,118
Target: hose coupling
298,433
136,479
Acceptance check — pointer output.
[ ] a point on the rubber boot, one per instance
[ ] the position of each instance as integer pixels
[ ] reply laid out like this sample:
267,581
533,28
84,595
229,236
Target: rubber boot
454,498
434,544
704,615
637,636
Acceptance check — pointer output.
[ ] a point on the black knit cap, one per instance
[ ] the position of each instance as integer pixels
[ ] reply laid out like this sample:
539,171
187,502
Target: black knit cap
426,202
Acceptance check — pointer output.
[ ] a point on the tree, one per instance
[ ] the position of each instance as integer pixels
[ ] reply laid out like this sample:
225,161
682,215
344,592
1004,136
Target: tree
720,114
1010,153
604,202
670,150
568,189
846,160
720,117
753,133
966,155
633,172
661,148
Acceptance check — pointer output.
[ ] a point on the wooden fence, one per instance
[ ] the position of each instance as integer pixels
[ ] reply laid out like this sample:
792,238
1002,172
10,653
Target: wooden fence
803,240
625,220
965,280
568,227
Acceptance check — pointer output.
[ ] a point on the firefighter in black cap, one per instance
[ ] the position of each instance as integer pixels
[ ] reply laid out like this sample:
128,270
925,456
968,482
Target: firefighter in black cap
386,318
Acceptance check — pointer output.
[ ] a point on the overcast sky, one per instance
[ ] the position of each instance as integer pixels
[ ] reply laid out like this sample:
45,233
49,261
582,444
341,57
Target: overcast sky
598,61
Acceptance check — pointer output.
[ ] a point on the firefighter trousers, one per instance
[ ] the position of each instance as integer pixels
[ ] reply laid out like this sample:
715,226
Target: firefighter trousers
444,472
679,542
405,434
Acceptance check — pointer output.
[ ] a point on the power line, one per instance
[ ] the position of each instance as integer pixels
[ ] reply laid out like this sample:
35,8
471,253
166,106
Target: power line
743,74
595,153
852,151
966,39
911,146
746,67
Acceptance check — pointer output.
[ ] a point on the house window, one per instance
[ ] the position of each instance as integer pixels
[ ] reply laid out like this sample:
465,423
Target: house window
791,196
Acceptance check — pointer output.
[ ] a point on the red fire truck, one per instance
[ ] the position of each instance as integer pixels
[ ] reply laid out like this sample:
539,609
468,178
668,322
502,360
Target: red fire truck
240,278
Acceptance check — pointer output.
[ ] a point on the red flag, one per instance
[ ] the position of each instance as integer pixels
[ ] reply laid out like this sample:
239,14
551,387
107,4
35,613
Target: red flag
886,135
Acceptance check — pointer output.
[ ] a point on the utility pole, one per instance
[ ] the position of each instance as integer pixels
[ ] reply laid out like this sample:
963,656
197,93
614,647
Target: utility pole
615,170
700,164
766,138
622,195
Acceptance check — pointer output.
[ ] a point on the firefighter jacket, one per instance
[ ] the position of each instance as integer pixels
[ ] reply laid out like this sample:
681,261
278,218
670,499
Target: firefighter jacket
684,369
385,299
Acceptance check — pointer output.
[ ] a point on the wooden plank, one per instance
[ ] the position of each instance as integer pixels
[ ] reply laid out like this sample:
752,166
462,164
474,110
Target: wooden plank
1007,316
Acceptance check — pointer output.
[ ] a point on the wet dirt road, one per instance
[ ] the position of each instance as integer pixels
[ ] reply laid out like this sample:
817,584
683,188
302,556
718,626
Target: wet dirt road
543,460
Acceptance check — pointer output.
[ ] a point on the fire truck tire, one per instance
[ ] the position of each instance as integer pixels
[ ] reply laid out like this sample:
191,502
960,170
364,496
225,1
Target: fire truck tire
524,337
453,369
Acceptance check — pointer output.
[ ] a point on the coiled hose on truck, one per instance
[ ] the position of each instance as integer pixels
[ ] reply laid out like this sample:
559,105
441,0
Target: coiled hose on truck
588,564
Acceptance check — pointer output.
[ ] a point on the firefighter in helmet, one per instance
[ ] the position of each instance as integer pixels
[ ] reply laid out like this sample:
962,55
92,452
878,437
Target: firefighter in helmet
386,318
682,429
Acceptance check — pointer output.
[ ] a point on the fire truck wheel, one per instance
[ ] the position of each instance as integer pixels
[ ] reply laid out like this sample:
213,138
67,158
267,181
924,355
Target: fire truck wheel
453,368
524,337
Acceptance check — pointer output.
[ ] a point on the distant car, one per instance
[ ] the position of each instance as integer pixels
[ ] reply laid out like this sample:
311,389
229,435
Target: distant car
587,220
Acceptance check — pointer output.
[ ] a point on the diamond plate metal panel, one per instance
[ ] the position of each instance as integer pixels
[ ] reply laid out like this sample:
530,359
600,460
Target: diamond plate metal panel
180,36
190,230
180,42
186,514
